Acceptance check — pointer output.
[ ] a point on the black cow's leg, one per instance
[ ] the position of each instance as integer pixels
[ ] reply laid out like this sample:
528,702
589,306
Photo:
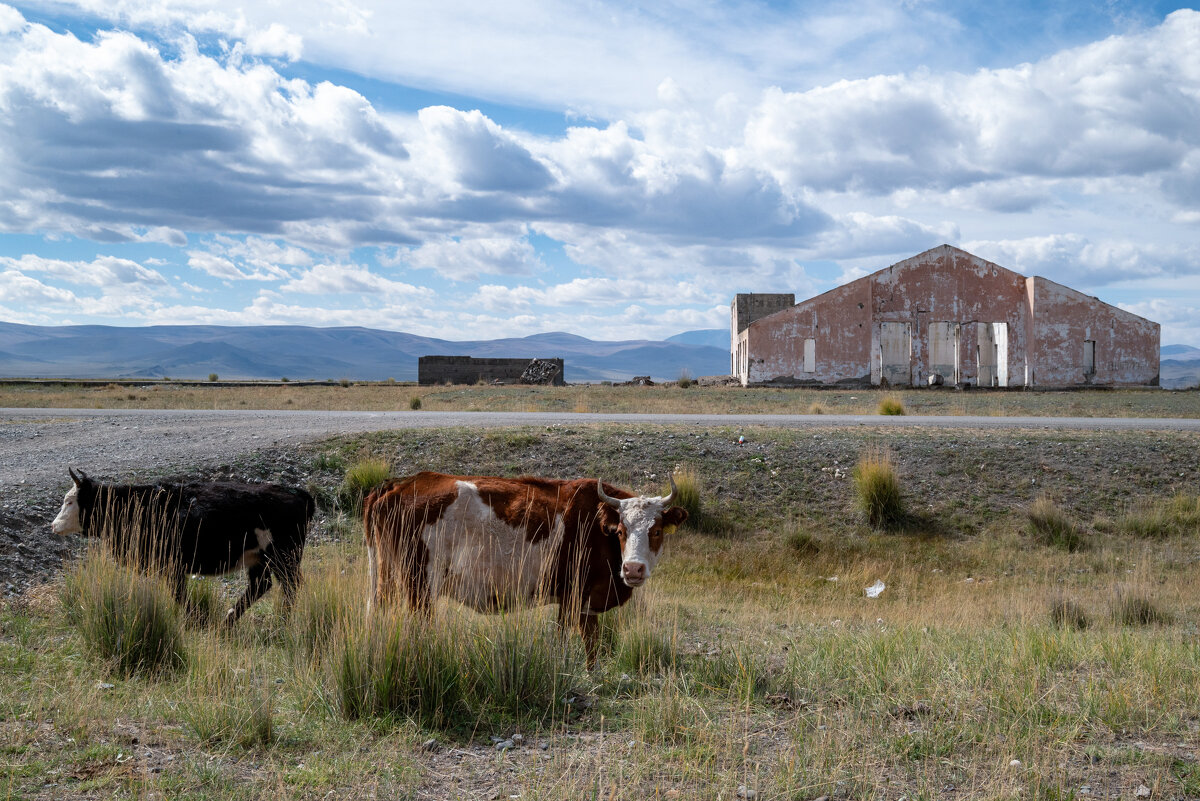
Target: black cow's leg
258,581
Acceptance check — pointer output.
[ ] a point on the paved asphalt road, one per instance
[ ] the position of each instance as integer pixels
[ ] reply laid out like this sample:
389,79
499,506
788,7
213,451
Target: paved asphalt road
35,444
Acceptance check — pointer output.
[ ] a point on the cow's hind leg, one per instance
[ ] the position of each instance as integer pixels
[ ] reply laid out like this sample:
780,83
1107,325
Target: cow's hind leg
258,581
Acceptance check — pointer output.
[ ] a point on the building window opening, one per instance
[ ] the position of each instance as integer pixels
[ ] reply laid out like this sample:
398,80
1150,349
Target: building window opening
1089,357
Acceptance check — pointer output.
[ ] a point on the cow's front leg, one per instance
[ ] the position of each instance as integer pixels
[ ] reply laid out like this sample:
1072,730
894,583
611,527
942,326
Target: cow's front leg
589,630
588,626
258,581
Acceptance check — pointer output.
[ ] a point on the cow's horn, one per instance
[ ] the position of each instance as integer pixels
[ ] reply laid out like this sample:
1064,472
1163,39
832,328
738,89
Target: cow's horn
667,500
74,477
613,502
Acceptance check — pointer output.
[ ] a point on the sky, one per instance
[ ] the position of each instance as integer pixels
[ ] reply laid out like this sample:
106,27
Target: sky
471,170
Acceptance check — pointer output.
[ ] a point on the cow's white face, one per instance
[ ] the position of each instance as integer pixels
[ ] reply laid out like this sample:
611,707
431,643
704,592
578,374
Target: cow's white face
641,532
67,521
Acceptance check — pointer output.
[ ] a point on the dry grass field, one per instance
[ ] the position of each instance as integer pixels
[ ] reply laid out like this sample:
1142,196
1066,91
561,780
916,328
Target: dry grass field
664,398
1001,661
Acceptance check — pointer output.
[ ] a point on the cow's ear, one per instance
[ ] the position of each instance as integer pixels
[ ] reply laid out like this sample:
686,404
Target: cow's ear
608,518
673,518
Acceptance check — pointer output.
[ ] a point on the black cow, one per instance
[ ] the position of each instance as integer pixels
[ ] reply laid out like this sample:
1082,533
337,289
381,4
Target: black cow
204,527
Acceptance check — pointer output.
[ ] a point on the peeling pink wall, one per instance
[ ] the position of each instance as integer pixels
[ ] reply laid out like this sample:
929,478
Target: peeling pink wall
1126,346
836,320
1039,336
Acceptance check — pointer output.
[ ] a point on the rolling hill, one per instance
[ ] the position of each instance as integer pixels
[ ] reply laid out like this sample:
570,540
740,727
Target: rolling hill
300,352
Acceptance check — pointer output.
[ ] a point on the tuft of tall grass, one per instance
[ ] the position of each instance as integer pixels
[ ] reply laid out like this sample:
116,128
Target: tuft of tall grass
637,646
688,490
801,540
1065,613
522,667
125,618
1138,610
227,704
400,666
671,715
878,489
1050,525
738,672
362,477
322,609
890,405
204,601
1159,519
414,402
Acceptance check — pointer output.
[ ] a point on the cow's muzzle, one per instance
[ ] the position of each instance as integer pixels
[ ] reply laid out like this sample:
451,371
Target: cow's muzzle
634,573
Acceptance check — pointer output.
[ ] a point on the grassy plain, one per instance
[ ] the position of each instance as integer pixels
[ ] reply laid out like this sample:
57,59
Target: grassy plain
665,398
765,672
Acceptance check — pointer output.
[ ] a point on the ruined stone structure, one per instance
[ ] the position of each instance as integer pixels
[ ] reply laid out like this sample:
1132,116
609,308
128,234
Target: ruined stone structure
469,370
944,313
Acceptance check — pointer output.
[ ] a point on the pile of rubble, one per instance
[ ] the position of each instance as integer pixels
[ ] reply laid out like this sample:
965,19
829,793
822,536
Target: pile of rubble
541,371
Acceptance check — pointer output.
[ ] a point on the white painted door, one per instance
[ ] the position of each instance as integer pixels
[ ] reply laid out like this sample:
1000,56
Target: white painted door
943,350
895,353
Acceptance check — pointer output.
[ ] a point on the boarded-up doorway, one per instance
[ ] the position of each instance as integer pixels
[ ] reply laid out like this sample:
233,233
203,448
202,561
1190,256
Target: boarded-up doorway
991,350
810,355
943,351
895,353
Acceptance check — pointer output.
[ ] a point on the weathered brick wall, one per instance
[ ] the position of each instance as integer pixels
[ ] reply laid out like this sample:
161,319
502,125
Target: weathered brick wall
471,370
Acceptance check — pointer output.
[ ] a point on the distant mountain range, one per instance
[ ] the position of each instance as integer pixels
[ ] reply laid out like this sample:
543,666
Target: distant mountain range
300,353
366,354
1179,366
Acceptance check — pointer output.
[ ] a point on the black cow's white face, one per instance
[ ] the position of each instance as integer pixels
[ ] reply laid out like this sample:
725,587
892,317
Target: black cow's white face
67,520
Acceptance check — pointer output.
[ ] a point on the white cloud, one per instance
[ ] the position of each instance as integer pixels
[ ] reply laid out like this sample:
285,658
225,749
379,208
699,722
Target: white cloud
333,279
105,272
1084,264
591,293
469,257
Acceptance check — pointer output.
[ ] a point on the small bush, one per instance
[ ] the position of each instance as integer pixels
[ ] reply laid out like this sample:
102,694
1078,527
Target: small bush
1068,614
1051,526
1137,610
878,490
213,376
125,618
414,402
345,382
891,405
685,380
362,477
816,408
283,380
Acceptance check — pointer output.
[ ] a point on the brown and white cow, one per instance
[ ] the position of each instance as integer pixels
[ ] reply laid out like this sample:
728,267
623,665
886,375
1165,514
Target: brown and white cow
494,543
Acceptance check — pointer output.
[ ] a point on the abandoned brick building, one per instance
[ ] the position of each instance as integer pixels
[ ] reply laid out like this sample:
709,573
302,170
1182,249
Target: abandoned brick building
944,314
